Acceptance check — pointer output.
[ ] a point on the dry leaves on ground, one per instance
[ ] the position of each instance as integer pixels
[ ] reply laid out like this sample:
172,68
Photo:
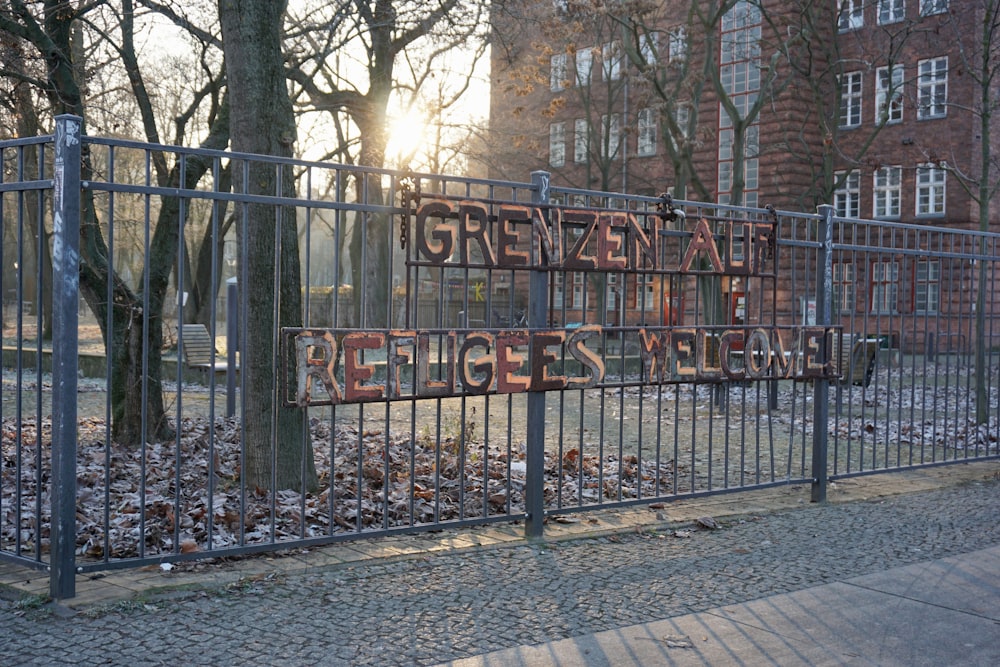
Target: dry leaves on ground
186,496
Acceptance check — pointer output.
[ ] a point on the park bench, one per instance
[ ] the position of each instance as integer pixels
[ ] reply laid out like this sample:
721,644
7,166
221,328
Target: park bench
198,350
855,358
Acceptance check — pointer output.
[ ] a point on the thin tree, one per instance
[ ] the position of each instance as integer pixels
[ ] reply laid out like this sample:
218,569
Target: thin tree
377,32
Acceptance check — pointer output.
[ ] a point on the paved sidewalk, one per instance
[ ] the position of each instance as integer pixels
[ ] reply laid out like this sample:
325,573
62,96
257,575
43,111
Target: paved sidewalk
797,575
943,612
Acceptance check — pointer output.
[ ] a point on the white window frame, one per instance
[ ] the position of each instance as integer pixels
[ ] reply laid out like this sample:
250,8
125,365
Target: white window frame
649,48
557,72
891,11
678,44
887,192
581,140
682,116
884,286
851,15
611,61
577,290
646,131
930,190
645,292
932,88
557,144
851,95
558,292
927,286
584,66
931,7
611,299
843,287
847,198
889,93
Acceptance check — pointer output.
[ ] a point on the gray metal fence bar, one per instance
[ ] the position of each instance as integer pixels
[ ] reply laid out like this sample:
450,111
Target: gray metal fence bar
65,334
821,386
534,498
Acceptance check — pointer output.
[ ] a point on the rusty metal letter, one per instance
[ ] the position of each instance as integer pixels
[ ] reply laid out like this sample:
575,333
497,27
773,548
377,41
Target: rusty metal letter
356,372
309,366
541,357
590,359
441,248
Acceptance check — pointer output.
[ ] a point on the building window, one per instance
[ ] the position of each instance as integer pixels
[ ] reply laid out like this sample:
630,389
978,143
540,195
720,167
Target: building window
889,94
891,11
645,292
927,286
611,301
740,78
847,198
678,44
850,100
852,15
647,133
751,174
932,88
577,290
557,290
888,185
885,287
584,66
581,130
929,7
930,190
741,31
557,72
725,180
649,48
610,136
557,144
682,116
611,56
843,288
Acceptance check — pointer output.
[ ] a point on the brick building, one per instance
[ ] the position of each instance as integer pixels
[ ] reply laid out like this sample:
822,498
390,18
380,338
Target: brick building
869,105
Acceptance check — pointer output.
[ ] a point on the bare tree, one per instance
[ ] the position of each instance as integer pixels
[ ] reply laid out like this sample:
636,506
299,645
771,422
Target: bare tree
380,32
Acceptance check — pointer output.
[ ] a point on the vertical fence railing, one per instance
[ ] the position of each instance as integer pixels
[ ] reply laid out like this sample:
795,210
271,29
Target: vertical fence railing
65,330
821,386
537,318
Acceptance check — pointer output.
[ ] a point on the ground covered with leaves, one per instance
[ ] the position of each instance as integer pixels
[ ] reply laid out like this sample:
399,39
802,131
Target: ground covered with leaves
186,495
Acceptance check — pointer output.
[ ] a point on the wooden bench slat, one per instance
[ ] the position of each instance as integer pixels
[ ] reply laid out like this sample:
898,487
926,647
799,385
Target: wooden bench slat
198,348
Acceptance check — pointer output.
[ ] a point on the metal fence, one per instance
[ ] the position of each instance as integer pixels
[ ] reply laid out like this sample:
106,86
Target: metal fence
446,351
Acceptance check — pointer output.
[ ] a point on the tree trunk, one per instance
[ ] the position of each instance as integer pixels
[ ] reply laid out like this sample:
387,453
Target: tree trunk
262,122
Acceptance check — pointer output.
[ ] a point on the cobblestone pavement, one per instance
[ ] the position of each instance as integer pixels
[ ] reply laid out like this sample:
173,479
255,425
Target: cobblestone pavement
434,608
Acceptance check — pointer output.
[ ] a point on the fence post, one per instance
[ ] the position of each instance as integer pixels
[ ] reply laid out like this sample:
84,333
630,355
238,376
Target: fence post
821,387
65,360
534,481
233,341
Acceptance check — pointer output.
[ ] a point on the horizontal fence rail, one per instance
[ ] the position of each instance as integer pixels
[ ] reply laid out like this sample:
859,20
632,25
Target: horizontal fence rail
267,354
